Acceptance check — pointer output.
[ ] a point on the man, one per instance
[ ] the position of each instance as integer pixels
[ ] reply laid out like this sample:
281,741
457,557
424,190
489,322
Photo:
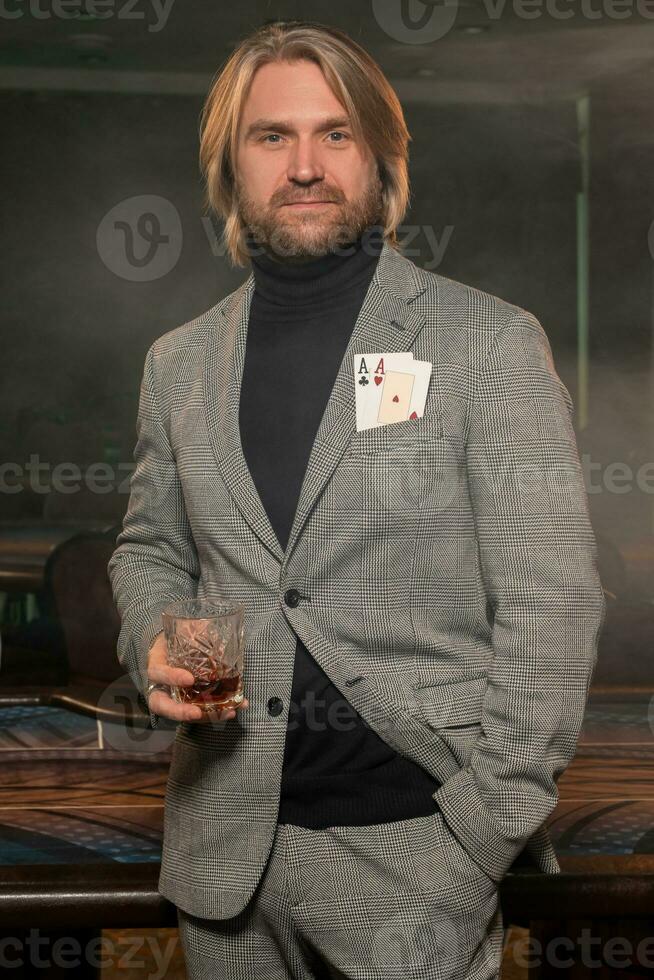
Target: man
422,598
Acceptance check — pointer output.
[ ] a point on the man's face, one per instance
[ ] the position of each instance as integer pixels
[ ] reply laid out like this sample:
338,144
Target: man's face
295,144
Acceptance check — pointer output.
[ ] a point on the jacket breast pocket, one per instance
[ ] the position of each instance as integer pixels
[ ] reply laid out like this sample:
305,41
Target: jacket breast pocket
403,436
406,474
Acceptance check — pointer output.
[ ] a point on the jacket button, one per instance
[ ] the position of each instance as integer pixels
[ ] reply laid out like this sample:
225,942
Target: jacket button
275,706
292,597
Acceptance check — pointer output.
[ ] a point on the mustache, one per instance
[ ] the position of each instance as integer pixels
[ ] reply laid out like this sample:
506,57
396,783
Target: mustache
323,195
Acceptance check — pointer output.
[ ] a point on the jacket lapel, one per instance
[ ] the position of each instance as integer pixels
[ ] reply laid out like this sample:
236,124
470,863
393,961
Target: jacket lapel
386,322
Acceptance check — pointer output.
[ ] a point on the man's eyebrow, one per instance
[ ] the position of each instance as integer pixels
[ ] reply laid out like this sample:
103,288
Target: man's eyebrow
282,126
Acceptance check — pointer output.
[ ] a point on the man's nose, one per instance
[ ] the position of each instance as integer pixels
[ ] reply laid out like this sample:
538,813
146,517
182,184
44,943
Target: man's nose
304,164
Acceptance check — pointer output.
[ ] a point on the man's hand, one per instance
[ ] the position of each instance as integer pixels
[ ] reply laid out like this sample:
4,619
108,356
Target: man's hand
160,672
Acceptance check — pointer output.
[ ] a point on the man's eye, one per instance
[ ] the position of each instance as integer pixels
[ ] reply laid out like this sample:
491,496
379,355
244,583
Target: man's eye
277,136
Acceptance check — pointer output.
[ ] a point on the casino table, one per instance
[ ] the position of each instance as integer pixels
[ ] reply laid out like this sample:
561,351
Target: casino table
82,787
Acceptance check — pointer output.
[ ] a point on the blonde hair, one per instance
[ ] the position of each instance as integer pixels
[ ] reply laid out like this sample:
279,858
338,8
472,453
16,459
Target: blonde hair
356,80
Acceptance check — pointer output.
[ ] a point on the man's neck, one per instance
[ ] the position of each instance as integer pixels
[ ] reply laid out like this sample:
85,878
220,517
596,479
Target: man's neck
319,280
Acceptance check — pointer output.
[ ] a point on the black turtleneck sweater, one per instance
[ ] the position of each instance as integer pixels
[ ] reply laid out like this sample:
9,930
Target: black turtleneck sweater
301,318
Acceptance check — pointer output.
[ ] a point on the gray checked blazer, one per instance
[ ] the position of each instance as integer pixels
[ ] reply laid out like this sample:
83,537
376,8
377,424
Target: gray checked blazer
447,567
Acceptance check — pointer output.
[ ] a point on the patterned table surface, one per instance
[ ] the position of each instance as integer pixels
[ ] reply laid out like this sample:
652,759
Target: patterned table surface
74,790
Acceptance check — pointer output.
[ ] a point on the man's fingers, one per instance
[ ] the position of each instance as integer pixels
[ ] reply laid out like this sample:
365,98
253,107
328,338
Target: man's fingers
159,673
162,704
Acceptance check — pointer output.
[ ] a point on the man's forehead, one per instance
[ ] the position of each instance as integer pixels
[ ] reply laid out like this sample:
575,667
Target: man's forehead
277,82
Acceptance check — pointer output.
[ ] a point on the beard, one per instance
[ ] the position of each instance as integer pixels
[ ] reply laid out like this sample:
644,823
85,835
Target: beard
298,236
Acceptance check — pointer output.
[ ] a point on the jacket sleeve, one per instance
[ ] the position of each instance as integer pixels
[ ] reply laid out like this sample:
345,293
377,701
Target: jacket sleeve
538,560
155,561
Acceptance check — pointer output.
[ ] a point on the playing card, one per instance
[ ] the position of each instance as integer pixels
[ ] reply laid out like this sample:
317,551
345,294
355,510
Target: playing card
395,401
394,410
369,373
422,370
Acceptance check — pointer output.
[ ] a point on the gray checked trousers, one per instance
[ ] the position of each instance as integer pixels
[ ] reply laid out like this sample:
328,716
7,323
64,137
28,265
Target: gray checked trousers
398,901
